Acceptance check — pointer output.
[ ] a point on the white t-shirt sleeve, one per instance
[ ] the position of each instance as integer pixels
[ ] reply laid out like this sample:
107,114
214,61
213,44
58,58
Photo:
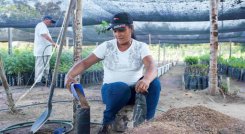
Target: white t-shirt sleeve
145,51
100,50
43,30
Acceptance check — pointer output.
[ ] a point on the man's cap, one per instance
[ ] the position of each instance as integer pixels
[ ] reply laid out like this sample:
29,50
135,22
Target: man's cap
120,20
49,18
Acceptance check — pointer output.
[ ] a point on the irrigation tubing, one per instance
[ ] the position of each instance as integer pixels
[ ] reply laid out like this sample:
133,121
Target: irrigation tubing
45,62
6,109
63,101
27,124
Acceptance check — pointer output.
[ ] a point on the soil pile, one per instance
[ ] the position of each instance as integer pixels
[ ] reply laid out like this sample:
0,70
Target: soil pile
191,120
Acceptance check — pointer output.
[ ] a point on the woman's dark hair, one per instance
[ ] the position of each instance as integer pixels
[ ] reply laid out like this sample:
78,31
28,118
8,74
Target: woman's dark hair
133,34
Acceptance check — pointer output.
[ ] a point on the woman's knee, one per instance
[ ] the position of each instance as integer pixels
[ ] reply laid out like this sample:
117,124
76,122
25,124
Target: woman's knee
155,84
115,90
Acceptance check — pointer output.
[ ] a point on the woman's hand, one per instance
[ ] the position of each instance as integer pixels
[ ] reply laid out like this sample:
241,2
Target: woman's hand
68,81
142,86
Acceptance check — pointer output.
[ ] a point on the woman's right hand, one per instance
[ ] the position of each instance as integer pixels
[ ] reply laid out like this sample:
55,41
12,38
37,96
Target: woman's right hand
68,81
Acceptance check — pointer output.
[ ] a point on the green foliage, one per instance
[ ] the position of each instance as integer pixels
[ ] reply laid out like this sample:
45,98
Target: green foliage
197,69
191,60
102,28
204,59
236,62
221,60
22,60
51,8
87,50
97,66
242,47
66,61
224,87
233,62
19,62
18,10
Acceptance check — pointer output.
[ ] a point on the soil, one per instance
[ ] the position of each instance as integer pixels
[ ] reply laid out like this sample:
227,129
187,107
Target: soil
179,110
192,120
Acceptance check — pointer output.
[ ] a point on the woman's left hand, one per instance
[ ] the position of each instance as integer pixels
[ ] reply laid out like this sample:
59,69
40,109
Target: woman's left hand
142,86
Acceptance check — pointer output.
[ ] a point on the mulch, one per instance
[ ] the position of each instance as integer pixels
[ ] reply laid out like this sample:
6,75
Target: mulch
191,120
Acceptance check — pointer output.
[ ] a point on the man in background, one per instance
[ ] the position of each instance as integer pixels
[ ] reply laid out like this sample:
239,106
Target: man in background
42,49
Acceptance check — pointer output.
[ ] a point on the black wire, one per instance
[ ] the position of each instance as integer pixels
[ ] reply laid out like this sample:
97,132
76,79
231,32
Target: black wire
6,109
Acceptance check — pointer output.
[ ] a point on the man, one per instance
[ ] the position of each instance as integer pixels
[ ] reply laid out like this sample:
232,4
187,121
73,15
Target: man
123,61
42,49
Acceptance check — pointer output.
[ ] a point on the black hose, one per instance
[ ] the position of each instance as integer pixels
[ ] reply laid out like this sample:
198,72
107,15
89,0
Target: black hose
89,99
27,124
6,109
45,62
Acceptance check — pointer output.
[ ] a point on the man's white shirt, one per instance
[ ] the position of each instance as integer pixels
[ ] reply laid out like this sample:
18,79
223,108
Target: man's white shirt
42,46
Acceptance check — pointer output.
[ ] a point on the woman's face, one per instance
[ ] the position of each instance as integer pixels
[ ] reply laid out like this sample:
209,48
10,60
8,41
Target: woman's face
123,35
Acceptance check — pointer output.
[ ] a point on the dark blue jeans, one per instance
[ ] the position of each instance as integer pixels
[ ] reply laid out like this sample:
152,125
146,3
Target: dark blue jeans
117,95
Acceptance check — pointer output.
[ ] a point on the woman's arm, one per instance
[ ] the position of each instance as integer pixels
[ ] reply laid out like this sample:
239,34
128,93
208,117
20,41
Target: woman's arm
80,67
149,75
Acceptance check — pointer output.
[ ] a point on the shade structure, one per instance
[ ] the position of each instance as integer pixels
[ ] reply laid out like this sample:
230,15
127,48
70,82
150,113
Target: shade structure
166,20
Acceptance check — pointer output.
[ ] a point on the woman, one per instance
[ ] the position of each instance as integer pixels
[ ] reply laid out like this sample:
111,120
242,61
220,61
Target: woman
123,61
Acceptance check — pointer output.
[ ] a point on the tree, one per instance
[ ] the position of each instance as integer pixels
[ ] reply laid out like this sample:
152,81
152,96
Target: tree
50,8
213,78
10,99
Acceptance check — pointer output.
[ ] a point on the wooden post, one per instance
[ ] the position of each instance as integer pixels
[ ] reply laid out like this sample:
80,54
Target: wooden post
67,42
149,39
77,28
213,80
10,40
183,82
230,49
10,99
158,58
228,85
164,54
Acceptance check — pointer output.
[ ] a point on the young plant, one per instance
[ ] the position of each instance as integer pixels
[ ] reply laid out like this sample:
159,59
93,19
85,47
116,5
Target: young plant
191,60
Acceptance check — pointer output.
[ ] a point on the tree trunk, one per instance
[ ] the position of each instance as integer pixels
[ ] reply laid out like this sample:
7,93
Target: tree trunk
10,41
78,31
10,99
77,28
213,79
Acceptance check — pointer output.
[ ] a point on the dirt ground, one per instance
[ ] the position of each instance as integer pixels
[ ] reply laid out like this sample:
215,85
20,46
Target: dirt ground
173,97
